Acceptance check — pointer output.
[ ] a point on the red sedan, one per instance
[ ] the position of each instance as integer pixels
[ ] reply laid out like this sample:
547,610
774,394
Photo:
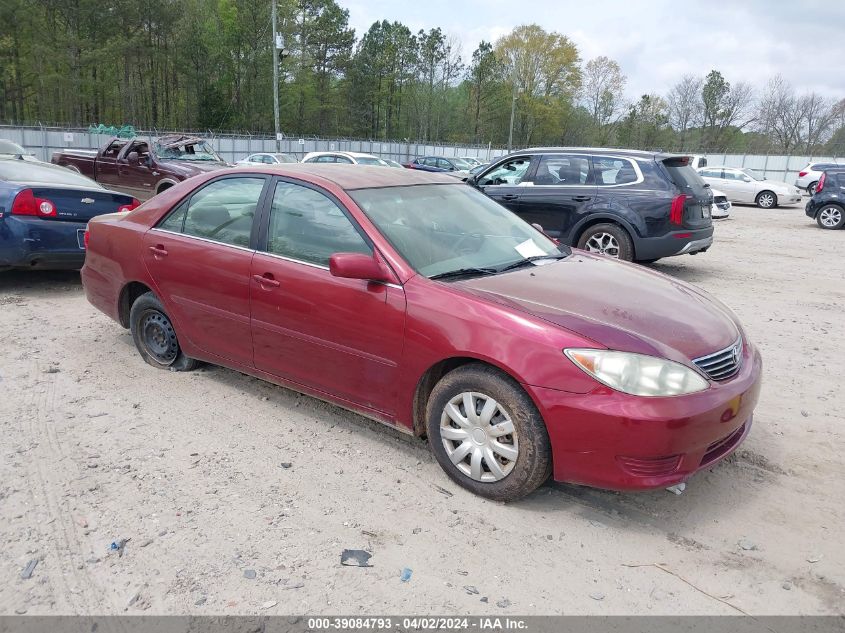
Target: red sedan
417,301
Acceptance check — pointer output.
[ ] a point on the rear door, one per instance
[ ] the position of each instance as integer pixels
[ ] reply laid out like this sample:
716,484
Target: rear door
199,257
507,181
563,191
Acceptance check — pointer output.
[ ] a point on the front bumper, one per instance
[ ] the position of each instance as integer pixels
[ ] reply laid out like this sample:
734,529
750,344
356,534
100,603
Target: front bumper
32,242
790,198
683,242
612,440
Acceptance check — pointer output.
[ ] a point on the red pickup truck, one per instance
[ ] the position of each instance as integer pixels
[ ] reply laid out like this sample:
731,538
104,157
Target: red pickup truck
143,167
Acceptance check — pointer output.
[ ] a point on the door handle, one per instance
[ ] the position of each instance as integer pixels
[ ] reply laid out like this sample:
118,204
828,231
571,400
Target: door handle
158,250
266,280
581,198
510,196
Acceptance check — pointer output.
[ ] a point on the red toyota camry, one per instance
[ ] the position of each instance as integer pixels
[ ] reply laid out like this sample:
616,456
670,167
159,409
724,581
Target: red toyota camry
417,301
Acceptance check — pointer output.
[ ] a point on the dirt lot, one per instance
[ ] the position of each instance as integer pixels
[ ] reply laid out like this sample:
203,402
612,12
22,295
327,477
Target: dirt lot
99,447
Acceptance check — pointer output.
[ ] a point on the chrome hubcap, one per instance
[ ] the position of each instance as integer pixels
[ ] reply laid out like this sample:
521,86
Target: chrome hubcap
603,244
479,437
767,201
830,216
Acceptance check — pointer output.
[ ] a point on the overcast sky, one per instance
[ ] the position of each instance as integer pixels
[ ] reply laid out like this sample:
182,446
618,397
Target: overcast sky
654,41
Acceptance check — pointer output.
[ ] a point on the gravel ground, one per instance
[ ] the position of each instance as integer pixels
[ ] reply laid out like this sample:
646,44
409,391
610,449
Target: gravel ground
237,496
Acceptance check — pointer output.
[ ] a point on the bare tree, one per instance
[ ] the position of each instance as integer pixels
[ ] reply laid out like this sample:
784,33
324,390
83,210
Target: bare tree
602,87
792,121
684,105
818,118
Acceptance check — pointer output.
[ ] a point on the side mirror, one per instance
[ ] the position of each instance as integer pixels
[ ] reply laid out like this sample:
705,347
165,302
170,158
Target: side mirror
132,158
359,266
471,181
746,179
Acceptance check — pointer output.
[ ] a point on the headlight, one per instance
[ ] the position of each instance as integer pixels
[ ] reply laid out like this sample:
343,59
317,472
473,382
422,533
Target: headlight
637,374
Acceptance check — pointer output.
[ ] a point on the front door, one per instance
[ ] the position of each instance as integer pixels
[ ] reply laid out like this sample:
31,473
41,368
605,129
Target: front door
504,183
563,189
200,256
136,179
340,336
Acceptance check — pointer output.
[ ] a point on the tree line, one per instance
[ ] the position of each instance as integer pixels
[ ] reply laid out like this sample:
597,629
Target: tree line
207,64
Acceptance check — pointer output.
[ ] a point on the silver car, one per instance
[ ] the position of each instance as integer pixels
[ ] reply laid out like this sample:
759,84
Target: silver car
808,178
266,158
747,186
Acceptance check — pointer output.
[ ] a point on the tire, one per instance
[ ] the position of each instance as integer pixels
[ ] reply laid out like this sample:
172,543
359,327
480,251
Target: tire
811,188
766,200
155,337
525,460
610,240
831,216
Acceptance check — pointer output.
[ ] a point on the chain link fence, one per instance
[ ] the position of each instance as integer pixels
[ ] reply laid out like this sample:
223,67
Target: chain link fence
43,141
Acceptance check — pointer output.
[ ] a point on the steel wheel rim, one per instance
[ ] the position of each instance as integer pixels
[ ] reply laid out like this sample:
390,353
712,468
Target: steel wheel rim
767,200
830,216
603,244
159,337
479,437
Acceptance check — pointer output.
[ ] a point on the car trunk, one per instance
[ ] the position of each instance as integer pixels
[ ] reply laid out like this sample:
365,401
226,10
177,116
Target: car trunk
80,205
697,196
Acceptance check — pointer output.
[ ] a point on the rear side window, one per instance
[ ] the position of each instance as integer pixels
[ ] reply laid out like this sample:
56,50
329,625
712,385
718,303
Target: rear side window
684,176
222,211
308,226
615,171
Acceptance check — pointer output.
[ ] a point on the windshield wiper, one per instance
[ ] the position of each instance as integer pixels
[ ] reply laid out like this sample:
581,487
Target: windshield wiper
460,272
528,260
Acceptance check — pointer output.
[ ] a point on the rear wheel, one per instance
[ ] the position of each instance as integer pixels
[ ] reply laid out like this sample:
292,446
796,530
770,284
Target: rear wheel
811,189
610,240
155,336
831,216
766,200
486,433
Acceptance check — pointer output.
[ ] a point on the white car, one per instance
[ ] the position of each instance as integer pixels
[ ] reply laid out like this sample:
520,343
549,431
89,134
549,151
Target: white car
808,178
746,186
267,158
721,207
472,160
346,158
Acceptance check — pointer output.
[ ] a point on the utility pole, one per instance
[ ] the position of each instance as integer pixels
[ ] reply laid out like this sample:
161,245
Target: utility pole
275,49
513,106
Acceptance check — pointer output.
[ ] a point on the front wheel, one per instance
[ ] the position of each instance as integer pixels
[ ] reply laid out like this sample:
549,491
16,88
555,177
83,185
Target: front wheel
766,200
610,240
155,336
486,433
831,217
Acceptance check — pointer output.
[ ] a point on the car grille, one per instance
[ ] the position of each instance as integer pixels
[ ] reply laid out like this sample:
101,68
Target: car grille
722,364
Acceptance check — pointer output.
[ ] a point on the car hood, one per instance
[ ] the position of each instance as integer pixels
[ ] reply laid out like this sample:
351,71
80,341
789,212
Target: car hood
187,169
622,306
776,184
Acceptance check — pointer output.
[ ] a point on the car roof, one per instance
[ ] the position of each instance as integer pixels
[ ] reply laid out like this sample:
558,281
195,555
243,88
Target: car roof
350,177
342,153
632,153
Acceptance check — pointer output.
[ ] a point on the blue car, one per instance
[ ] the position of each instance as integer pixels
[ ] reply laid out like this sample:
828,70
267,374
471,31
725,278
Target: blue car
44,210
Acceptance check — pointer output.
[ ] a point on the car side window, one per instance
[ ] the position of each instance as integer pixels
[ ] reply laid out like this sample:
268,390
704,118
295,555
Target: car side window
614,171
113,149
222,211
308,226
342,159
430,162
511,172
732,175
444,164
711,173
563,169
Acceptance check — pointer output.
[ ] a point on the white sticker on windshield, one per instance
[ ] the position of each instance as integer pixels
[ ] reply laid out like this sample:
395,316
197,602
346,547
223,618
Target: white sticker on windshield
529,248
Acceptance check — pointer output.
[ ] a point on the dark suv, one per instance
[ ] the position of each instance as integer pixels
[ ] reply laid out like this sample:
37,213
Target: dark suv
827,206
623,203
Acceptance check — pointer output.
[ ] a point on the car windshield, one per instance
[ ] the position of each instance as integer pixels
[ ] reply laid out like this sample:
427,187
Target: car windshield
370,160
27,171
193,151
752,174
284,158
7,147
444,228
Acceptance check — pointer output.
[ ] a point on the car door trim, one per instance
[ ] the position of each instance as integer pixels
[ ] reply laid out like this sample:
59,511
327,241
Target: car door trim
203,239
